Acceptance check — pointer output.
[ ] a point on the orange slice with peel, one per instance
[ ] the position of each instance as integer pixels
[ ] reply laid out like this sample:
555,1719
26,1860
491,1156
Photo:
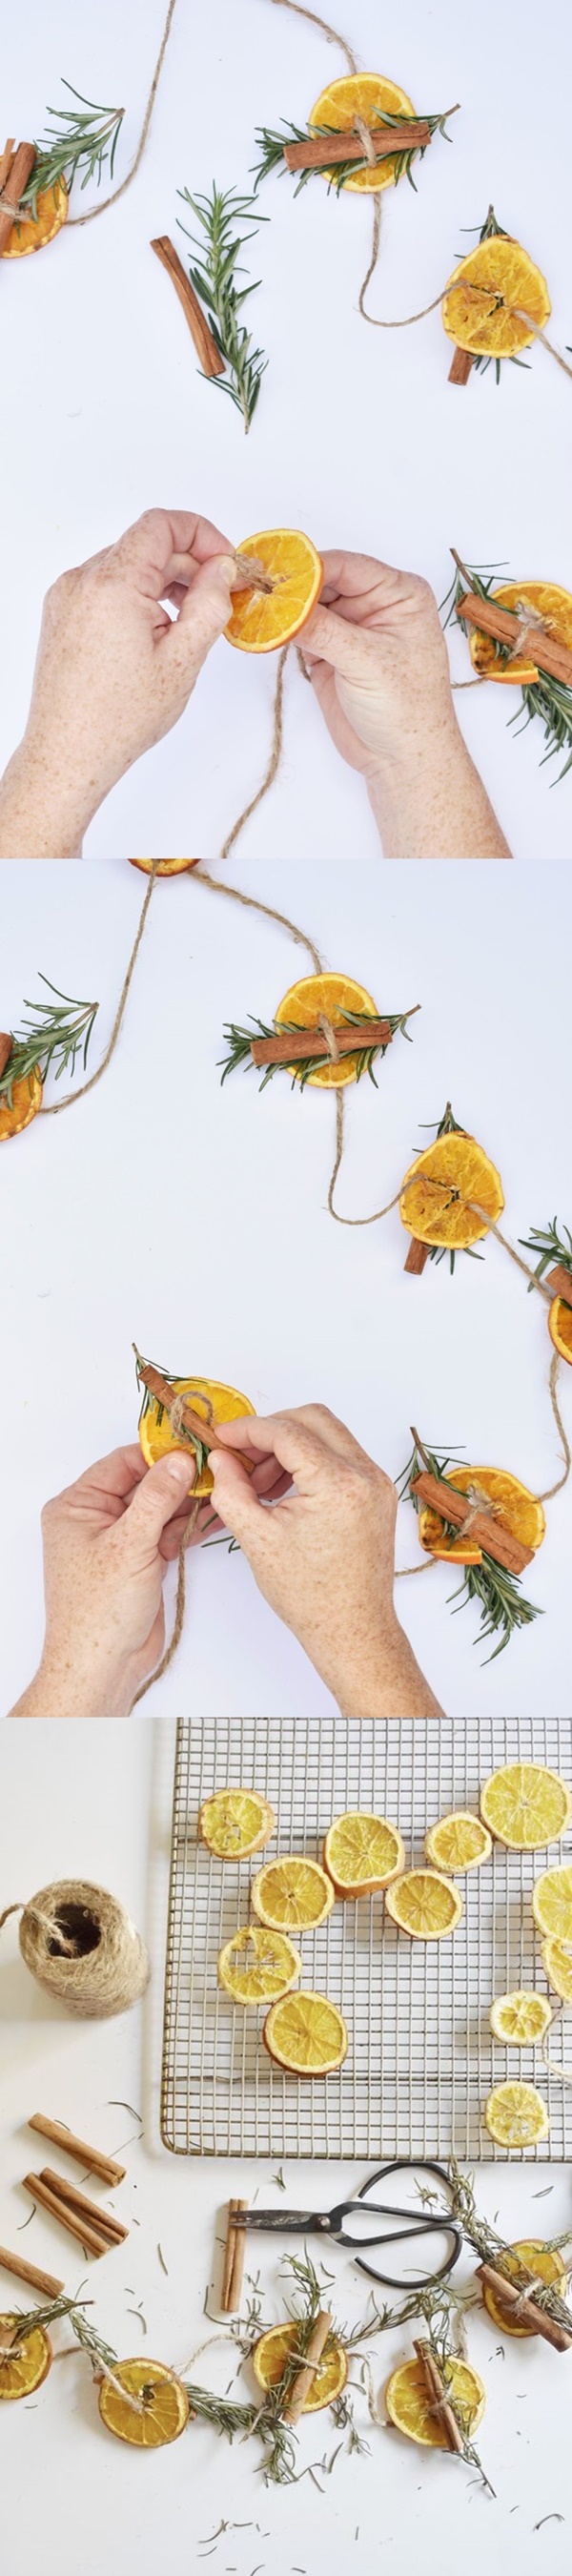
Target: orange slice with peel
208,1398
560,1327
367,95
362,1853
516,1510
26,1099
52,207
487,293
262,621
235,1822
412,2410
425,1904
544,2263
314,998
153,2409
275,2352
306,2034
165,867
553,605
292,1895
437,1186
23,2365
258,1965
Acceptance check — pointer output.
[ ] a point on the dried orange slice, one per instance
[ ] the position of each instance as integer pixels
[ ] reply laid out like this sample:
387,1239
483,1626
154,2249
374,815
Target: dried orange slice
560,1327
516,2116
362,1852
292,1895
368,95
554,606
218,1404
552,1903
515,1509
520,2019
165,867
160,2411
326,997
424,1904
26,1098
23,2365
485,295
412,2410
542,2263
436,1187
274,2352
52,207
262,621
257,1965
235,1822
525,1805
306,2034
557,1965
458,1841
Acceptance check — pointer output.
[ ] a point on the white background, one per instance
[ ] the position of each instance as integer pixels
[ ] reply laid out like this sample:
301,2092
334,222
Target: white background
192,1221
359,437
97,2504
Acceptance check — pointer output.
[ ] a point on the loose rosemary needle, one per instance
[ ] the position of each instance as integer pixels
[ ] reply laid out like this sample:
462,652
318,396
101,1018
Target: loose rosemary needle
215,275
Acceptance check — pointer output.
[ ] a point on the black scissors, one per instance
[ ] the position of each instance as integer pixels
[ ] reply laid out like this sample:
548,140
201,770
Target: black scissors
330,2222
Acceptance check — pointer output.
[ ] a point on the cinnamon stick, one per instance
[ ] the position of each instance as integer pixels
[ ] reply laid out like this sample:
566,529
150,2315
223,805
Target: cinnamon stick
306,2374
287,1047
6,163
6,1045
234,2258
324,151
36,2280
439,2400
536,2319
506,629
193,1422
93,2241
461,368
103,2220
417,1256
559,1279
206,348
484,1532
59,2136
20,172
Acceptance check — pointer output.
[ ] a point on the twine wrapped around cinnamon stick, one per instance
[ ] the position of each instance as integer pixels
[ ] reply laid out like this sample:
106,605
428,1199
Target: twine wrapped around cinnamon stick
485,1532
506,628
305,2376
536,2319
324,151
440,2404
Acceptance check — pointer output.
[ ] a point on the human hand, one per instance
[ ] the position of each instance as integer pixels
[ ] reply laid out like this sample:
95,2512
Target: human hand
113,673
377,658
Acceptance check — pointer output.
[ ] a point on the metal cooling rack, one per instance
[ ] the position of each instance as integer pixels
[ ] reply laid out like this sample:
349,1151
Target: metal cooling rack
421,2058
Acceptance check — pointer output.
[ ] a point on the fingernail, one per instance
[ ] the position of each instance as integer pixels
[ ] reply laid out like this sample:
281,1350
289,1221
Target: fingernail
177,1467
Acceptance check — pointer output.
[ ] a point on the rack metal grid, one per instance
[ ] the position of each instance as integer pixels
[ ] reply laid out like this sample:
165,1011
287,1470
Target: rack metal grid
421,2057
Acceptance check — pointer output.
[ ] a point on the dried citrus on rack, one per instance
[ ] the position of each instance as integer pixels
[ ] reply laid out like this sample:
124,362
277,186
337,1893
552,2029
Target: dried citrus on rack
262,621
525,1805
208,1398
488,293
367,95
552,1903
424,1904
306,2034
26,1098
557,1965
275,2350
520,2019
27,2362
235,1822
165,867
515,1509
257,1965
317,998
52,207
553,605
411,2408
458,1841
438,1184
292,1895
542,2262
362,1852
154,2409
516,2116
560,1327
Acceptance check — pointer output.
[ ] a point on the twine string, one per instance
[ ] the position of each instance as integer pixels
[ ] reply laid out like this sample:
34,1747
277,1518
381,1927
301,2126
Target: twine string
480,294
330,33
251,903
275,755
112,200
48,1921
54,1107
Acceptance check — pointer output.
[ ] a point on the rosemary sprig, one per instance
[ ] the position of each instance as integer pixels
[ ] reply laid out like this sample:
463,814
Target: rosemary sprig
492,2248
77,140
548,1243
149,1402
60,1029
503,1606
240,1041
448,1125
73,2310
271,147
545,697
221,219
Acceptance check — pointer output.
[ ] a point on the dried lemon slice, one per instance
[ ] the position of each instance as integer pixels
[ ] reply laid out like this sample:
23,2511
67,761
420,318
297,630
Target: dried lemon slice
362,1852
328,997
207,1396
273,2353
165,867
520,2019
487,295
262,621
26,1098
160,2411
411,2409
543,2265
515,2115
436,1187
23,2365
552,1903
306,2034
367,95
424,1904
525,1805
235,1822
554,607
27,235
557,1965
258,1964
458,1841
560,1327
515,1509
292,1895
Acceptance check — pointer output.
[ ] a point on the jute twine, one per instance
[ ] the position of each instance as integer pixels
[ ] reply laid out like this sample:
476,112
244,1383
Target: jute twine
82,1948
275,751
479,294
330,33
54,1107
104,202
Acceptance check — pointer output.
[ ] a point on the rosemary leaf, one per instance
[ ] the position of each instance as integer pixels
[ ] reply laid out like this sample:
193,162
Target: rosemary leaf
549,1245
221,218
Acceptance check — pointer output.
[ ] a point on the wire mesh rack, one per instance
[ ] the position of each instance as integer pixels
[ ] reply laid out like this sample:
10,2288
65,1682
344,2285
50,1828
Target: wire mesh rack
421,2057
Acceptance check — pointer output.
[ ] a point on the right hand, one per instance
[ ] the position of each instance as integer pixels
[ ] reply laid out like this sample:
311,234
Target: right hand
323,1557
378,662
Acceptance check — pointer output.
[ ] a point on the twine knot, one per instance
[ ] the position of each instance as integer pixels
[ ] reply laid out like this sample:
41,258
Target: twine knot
330,1037
365,138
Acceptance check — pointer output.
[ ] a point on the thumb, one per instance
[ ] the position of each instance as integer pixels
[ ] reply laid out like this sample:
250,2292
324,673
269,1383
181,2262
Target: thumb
235,1501
207,607
334,640
161,1493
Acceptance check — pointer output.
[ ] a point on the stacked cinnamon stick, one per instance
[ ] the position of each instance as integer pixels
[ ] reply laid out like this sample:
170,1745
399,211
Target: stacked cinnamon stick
94,2227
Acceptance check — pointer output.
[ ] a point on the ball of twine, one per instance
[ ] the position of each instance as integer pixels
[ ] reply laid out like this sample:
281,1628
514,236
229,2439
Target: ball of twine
81,1946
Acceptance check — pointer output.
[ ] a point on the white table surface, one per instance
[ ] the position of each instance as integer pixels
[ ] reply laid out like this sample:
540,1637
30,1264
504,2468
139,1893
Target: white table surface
358,437
193,1221
100,1806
